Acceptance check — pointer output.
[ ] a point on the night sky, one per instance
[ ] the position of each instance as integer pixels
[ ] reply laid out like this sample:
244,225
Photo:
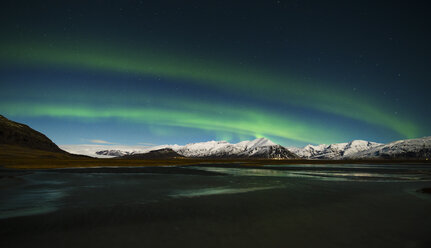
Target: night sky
157,72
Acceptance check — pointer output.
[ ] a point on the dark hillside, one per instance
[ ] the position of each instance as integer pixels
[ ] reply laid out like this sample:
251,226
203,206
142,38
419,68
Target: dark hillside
17,134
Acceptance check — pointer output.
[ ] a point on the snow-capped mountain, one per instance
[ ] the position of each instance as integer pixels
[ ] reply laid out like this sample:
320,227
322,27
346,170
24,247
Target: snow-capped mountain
258,148
273,152
401,149
208,149
334,151
113,153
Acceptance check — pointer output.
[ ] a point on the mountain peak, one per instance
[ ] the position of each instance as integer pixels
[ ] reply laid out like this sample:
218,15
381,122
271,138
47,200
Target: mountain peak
259,142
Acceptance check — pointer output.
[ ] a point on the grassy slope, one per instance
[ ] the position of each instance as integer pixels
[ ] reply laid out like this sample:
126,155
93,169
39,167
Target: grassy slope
27,158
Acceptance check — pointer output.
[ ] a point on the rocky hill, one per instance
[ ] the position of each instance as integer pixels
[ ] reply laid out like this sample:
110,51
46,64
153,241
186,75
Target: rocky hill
17,134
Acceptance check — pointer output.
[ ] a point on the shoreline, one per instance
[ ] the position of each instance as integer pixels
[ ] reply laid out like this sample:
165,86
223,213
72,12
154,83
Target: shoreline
29,164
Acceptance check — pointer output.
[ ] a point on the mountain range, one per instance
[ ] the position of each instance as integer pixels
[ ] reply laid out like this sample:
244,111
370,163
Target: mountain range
334,151
263,148
359,149
258,148
402,149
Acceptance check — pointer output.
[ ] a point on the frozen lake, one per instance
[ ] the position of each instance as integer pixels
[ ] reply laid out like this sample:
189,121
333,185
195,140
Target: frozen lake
217,206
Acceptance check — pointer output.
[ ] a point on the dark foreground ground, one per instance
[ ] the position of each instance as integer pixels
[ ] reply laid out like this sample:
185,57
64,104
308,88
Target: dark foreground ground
217,206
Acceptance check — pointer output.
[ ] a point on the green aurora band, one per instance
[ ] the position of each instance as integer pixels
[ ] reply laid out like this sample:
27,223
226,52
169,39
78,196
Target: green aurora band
253,82
240,121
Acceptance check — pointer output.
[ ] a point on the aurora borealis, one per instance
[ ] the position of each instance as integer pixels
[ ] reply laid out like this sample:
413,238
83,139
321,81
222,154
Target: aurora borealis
132,72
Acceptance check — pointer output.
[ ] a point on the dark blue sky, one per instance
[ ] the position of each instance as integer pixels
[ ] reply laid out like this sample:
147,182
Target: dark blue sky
297,72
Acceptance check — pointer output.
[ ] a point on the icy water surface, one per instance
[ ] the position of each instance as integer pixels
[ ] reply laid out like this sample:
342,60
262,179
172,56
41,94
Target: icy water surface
341,172
217,206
